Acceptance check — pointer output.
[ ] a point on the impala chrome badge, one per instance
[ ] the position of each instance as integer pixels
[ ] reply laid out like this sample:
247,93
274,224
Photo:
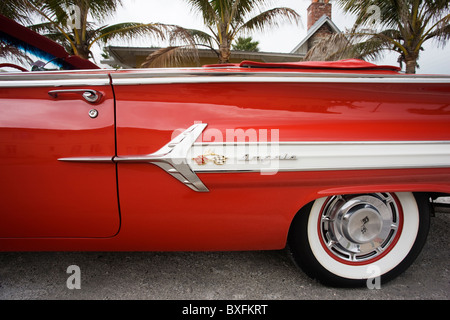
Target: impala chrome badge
209,157
258,158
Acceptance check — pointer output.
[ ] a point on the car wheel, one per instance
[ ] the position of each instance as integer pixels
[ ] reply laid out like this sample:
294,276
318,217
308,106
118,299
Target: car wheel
345,240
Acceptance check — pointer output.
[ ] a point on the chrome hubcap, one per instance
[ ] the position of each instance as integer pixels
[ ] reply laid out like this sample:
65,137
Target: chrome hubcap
359,228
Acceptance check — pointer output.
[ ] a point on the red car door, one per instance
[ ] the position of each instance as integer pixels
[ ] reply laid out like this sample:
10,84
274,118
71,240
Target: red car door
57,142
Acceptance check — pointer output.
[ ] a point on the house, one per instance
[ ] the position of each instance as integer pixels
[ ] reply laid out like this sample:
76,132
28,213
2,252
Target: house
319,23
320,26
133,57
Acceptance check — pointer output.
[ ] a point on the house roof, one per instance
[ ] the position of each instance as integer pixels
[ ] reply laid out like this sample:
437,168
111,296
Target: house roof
132,57
316,26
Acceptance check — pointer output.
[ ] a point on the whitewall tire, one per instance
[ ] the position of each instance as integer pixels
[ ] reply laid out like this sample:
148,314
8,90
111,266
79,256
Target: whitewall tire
344,240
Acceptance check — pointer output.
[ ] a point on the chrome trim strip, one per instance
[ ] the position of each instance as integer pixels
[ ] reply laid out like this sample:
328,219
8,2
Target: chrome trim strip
272,157
172,158
179,157
167,76
88,159
350,142
204,72
274,171
261,77
52,80
182,80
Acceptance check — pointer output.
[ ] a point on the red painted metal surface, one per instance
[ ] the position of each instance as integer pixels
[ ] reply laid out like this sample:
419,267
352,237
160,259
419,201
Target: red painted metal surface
249,210
78,204
342,66
44,197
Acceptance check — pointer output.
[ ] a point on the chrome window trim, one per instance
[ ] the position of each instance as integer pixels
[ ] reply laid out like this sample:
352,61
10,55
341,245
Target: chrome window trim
169,76
266,79
32,80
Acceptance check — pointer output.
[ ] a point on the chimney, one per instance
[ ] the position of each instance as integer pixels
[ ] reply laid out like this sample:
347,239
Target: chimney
317,9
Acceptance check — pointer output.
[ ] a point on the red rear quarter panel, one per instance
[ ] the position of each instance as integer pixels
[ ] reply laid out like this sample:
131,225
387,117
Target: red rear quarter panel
251,210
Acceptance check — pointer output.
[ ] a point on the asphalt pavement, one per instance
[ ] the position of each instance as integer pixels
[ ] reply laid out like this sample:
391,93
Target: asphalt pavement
255,275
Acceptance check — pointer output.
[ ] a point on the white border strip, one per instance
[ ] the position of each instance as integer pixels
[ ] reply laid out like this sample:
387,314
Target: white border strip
320,156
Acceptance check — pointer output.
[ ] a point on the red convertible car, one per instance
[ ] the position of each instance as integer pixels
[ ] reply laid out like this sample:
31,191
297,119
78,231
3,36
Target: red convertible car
337,161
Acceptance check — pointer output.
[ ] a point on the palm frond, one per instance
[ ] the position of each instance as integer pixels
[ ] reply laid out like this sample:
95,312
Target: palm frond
408,24
332,48
371,49
18,10
44,27
128,31
200,37
100,10
270,18
246,7
440,30
54,10
171,57
177,36
435,8
14,54
389,10
206,9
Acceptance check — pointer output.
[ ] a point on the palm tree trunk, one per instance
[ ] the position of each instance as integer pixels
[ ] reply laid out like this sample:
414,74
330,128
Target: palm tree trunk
411,64
83,51
224,53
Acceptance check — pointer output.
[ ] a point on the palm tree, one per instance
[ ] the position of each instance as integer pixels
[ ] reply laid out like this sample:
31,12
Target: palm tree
406,25
246,44
225,20
17,10
66,22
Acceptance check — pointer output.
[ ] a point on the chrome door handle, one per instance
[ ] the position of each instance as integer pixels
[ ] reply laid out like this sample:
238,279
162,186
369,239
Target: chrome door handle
91,96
